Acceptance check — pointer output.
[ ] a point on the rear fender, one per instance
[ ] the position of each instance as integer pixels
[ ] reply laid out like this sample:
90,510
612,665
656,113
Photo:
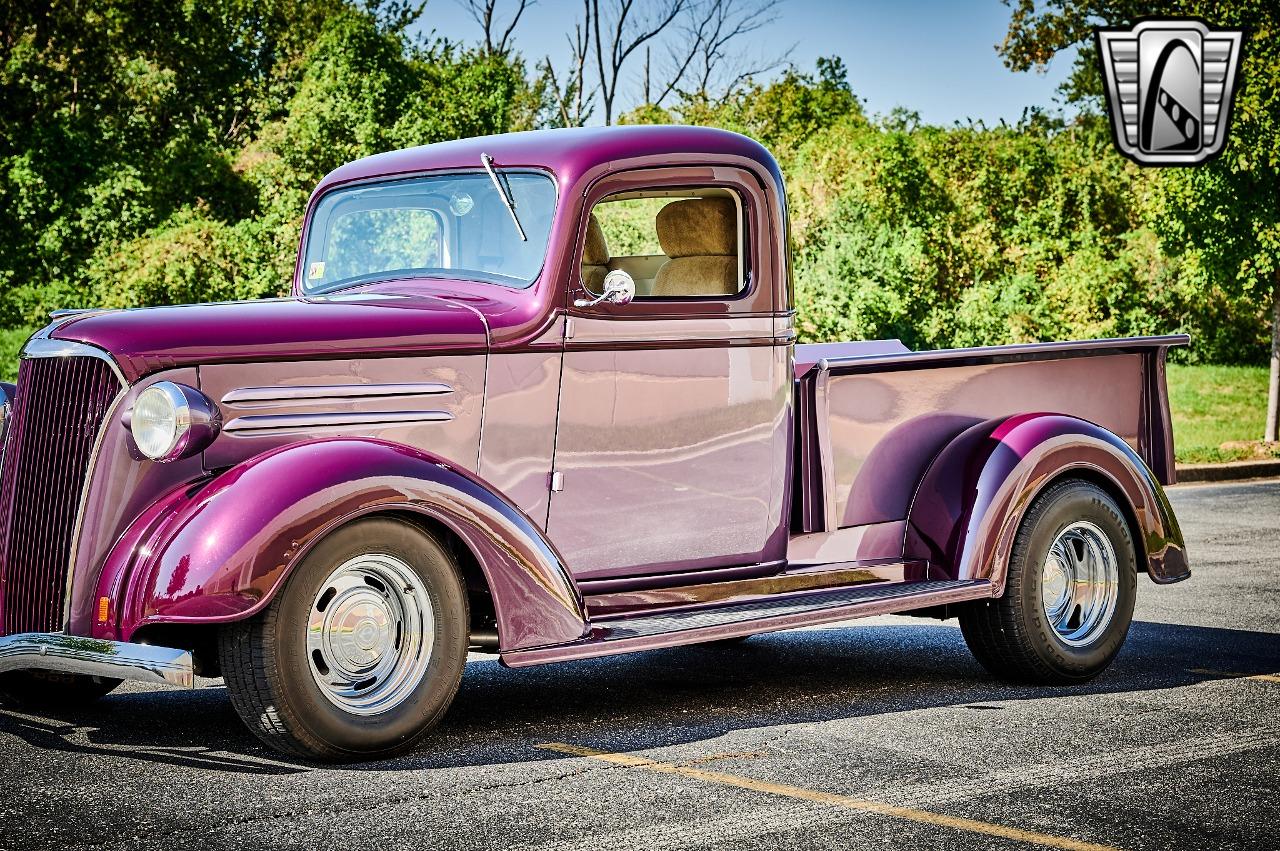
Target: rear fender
220,552
969,504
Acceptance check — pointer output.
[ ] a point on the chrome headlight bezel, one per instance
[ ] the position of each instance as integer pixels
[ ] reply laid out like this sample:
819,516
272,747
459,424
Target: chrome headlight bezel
190,421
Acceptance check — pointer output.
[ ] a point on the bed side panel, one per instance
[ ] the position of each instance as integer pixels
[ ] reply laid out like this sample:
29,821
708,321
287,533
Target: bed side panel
886,427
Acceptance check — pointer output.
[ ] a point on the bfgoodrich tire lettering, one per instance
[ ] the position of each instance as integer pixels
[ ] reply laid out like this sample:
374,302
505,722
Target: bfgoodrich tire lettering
1026,635
269,666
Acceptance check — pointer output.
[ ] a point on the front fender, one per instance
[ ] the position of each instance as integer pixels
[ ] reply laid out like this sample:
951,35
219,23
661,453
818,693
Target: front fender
972,498
220,552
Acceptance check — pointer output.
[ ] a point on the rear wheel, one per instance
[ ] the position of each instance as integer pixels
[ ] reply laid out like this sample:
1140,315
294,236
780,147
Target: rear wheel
1069,594
361,652
52,689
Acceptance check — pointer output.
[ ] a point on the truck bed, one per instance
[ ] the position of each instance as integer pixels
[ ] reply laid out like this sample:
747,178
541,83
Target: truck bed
872,416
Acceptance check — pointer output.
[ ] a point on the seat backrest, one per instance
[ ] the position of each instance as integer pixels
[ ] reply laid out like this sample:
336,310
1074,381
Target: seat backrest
700,235
642,268
595,256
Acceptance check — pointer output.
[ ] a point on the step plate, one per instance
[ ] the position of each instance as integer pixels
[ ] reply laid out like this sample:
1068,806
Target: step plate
609,636
668,622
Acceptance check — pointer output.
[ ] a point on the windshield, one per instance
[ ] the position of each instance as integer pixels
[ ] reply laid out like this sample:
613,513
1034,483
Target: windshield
454,225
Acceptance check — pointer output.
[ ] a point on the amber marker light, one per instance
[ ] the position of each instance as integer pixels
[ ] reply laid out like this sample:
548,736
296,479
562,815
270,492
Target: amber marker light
104,609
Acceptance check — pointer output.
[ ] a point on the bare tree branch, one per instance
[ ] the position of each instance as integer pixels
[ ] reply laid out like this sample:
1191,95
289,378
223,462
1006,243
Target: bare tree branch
763,66
699,38
581,43
711,30
572,95
682,56
629,33
497,39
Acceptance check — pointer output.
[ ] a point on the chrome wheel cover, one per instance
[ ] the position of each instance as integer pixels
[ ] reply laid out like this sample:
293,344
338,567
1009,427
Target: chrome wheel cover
1080,583
370,633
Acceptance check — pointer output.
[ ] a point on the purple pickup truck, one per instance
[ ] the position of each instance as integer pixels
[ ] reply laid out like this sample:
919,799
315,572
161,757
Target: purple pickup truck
540,394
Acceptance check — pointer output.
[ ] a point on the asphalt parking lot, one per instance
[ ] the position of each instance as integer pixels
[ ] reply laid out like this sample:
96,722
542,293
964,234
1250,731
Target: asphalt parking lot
878,734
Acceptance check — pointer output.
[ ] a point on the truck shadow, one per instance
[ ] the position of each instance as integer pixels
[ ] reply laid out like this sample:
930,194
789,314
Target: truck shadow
189,729
656,699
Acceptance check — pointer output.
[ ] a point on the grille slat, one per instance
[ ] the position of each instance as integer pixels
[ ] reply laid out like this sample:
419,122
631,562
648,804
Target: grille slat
60,408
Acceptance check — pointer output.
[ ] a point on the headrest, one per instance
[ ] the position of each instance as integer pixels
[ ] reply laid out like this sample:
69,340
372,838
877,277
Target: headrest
698,227
596,250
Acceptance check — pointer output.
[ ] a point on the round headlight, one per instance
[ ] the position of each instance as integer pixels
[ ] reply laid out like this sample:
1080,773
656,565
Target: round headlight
171,421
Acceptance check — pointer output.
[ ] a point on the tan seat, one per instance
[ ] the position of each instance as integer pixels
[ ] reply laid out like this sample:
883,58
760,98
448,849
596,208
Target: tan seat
700,235
595,256
642,268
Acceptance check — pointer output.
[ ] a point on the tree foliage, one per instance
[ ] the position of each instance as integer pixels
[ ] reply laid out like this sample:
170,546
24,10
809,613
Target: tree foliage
160,153
972,235
163,152
1220,221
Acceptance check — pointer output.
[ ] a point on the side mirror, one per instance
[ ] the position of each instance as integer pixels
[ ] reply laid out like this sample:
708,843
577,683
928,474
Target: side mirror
619,288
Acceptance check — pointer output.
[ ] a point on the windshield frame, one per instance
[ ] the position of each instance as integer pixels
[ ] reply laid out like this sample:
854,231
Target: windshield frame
422,273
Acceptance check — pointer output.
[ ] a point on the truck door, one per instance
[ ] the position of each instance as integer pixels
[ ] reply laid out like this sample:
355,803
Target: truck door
671,449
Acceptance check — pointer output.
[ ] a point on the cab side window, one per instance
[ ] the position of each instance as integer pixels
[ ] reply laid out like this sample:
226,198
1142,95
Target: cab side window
674,243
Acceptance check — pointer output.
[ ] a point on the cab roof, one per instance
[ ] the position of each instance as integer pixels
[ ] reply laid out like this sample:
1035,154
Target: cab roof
568,153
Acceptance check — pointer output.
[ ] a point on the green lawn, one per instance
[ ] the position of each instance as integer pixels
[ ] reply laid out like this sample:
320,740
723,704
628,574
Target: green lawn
11,340
1212,405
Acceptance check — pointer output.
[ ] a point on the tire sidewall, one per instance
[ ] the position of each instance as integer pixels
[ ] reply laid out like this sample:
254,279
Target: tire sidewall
298,691
1065,505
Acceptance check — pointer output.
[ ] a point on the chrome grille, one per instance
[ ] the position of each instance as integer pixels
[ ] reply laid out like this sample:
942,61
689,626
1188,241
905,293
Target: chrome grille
60,407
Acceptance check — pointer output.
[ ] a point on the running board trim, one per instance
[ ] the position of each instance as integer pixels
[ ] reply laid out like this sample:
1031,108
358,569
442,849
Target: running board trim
671,629
726,592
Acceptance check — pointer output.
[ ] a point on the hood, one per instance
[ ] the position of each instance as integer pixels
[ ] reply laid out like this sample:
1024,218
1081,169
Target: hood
149,339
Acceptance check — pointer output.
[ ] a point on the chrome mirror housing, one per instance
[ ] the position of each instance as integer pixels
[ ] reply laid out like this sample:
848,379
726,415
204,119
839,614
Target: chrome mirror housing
619,288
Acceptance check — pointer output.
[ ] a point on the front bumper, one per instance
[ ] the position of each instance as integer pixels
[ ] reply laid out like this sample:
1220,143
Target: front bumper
72,654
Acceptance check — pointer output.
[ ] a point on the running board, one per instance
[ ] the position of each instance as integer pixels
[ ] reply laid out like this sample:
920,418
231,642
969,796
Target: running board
671,628
703,590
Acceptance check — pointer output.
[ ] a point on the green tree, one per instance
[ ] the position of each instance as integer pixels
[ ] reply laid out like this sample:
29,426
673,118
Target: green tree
1222,217
157,152
780,114
116,115
973,236
957,236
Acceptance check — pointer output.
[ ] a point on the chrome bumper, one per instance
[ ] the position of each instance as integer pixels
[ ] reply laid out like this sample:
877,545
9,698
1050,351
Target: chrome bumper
53,651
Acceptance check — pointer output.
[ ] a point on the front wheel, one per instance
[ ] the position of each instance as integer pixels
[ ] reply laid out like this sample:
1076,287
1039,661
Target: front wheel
361,652
1069,594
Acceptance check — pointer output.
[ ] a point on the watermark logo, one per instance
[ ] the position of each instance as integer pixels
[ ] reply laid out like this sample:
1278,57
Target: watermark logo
1169,83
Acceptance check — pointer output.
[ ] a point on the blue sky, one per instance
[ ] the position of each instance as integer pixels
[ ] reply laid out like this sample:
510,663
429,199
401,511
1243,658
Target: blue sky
934,57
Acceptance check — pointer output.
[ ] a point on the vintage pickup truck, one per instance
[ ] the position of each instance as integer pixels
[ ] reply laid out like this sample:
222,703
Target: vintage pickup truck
541,394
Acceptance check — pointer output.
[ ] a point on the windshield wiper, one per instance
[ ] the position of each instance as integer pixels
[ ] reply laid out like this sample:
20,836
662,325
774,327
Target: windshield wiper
487,162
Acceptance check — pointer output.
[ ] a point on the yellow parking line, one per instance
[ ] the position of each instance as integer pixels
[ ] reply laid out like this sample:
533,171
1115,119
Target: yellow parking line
1230,675
844,801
